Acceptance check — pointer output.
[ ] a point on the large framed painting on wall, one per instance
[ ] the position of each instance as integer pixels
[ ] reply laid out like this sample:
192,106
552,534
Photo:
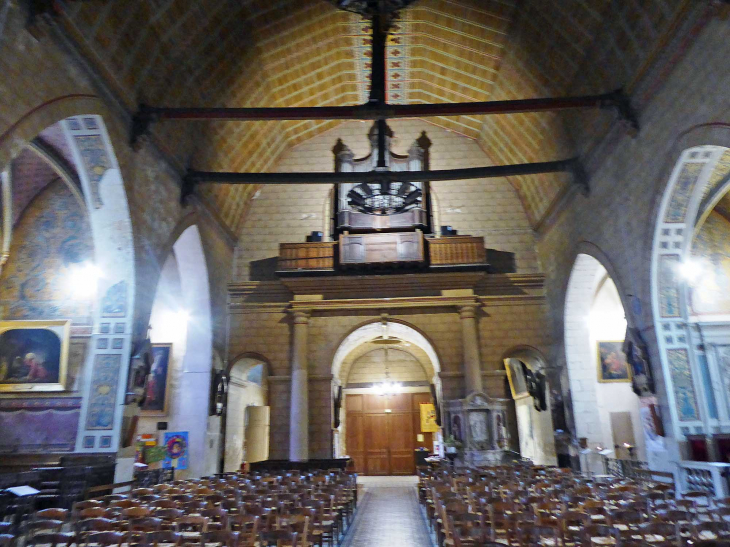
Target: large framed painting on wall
612,363
156,391
34,355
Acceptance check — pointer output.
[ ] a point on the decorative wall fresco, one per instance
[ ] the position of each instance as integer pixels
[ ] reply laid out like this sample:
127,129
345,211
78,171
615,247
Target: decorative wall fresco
114,303
52,237
683,192
668,286
718,179
103,393
723,353
684,389
711,249
96,161
39,425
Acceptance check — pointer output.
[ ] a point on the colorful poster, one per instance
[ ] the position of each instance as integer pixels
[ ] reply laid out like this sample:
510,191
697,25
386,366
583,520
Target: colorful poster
428,418
176,450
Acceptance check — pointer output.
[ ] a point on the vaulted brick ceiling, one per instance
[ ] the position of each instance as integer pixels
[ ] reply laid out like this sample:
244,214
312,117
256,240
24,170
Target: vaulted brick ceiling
307,53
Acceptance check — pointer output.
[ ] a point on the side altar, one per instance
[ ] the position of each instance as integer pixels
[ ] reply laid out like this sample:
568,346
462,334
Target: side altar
478,424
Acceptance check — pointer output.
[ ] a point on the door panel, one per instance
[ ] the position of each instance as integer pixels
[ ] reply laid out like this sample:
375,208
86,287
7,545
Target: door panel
400,427
380,442
376,444
355,441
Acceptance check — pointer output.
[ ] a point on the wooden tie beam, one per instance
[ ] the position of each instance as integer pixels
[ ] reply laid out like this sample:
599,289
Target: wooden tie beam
573,166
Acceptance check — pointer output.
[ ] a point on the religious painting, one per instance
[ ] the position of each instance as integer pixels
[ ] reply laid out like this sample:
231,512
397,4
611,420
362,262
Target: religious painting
156,390
516,377
176,446
428,418
34,355
612,363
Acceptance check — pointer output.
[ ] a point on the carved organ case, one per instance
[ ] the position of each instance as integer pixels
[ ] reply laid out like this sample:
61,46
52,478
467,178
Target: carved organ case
382,206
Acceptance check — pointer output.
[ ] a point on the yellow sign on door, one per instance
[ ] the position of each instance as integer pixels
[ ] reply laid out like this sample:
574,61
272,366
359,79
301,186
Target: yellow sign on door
428,418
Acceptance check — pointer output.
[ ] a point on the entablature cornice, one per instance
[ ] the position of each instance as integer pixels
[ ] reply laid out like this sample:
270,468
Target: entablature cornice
373,291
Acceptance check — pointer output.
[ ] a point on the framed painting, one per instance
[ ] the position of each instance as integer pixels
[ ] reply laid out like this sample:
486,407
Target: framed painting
157,391
34,355
516,378
612,363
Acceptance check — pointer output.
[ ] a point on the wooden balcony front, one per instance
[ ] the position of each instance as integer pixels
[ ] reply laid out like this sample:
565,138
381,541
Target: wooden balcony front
382,251
457,251
311,256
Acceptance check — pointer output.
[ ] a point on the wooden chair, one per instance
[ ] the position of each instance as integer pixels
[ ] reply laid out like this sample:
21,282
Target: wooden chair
217,518
711,531
105,539
530,534
192,527
84,528
571,527
223,538
599,534
7,540
660,534
163,537
52,539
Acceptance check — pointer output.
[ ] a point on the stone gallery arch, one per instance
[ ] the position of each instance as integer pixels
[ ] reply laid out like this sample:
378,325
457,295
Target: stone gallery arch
691,357
79,151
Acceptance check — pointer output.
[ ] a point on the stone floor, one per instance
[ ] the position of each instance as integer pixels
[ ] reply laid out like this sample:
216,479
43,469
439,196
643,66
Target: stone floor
388,514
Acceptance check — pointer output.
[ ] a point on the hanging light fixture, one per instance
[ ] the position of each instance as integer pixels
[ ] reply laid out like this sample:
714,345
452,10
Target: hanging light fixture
387,387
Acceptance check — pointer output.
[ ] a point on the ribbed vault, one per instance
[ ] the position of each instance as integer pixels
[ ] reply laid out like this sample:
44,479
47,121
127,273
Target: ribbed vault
307,53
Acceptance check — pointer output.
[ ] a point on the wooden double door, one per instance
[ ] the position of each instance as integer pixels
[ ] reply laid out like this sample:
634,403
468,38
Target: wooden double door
382,432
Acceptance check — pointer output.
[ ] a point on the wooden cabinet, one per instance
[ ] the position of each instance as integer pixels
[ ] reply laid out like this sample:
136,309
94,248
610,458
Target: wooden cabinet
381,432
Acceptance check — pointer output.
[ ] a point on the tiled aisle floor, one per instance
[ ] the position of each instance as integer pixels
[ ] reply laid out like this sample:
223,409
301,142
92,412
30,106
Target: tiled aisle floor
388,515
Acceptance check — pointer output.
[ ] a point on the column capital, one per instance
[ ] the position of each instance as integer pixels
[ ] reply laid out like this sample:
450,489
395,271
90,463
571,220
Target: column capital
468,311
301,315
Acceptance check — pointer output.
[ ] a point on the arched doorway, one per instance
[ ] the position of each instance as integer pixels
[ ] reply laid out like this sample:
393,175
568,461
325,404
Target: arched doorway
247,390
606,411
385,372
690,275
532,414
180,320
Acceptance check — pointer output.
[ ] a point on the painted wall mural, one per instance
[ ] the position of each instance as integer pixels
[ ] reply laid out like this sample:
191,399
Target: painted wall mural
103,394
684,389
711,249
723,353
96,161
683,192
52,237
668,286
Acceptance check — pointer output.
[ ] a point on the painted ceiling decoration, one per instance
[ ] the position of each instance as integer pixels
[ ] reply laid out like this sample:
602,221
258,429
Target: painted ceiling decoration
292,53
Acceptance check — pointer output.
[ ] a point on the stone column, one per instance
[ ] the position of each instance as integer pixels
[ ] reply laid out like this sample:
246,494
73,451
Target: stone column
299,411
470,345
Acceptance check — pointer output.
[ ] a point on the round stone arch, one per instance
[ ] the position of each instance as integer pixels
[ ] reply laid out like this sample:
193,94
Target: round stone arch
587,395
697,177
241,395
83,120
535,432
370,330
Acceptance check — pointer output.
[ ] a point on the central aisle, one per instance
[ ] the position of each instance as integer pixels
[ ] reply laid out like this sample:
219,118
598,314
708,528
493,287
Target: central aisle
388,514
